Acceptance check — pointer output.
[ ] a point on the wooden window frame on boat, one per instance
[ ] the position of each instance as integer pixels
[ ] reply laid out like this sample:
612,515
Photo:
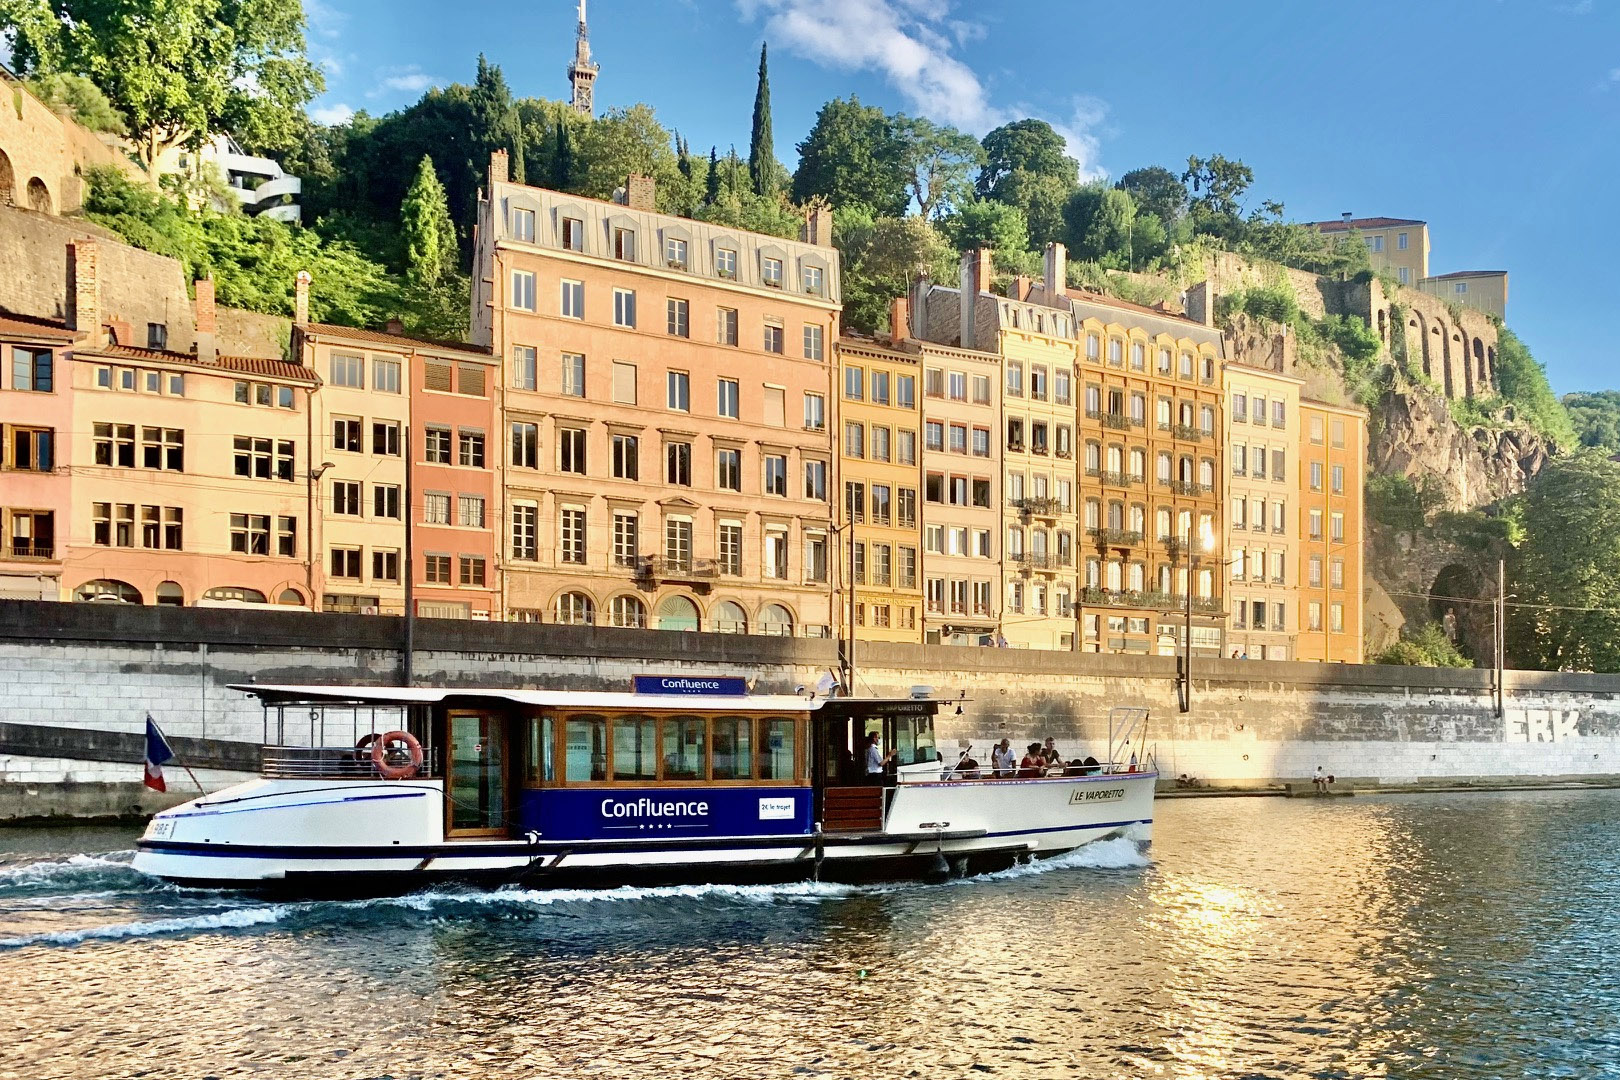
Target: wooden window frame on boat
530,718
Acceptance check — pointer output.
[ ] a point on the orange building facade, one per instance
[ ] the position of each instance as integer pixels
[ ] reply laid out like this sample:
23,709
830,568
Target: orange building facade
1333,449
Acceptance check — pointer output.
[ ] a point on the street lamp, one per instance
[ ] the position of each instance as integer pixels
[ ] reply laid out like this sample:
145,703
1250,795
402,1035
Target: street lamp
1195,552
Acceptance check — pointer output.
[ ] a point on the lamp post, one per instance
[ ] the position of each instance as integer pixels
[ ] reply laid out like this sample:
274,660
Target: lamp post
1206,543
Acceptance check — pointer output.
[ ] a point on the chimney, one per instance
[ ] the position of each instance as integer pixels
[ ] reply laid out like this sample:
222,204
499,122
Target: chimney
395,326
640,193
1021,284
85,288
976,271
818,226
1057,273
301,299
919,306
899,320
207,321
498,170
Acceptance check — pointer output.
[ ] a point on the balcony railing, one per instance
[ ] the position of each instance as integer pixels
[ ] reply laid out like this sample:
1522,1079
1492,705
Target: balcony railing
663,568
1187,487
1116,537
1187,432
1118,421
1037,505
1118,479
28,549
1038,560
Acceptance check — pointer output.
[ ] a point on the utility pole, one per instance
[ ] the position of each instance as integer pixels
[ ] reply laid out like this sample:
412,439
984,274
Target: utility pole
1501,637
406,672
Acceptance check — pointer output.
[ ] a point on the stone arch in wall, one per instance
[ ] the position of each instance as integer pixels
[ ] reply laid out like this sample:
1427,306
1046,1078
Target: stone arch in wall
1437,332
1454,605
1459,348
8,181
39,196
1482,378
1383,325
1417,329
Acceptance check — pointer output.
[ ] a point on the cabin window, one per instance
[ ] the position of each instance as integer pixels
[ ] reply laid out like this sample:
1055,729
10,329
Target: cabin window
541,765
635,748
733,748
914,739
776,750
683,747
586,758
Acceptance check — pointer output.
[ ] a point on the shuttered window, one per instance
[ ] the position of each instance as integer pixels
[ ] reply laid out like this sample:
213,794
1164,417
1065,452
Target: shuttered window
470,379
436,376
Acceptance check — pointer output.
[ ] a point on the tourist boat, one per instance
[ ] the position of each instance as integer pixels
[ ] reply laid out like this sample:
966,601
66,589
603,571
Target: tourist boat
684,779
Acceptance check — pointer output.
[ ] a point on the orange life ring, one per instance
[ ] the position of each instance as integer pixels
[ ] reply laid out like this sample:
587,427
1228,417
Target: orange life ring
396,772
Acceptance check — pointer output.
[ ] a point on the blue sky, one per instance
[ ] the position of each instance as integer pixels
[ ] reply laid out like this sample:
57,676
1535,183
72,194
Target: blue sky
1493,120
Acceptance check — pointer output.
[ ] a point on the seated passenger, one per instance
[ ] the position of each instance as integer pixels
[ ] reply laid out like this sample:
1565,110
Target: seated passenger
966,769
1033,763
1090,766
1001,759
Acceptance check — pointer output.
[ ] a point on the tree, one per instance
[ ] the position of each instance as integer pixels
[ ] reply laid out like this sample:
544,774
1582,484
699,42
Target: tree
881,257
985,223
1595,416
711,182
562,158
1567,574
852,157
620,142
80,97
177,70
1218,184
761,151
1427,646
939,161
1157,191
1099,225
426,231
1522,380
1026,166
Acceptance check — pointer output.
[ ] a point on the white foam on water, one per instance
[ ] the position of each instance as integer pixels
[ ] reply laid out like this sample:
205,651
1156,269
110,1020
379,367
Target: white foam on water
73,869
234,919
1117,853
760,894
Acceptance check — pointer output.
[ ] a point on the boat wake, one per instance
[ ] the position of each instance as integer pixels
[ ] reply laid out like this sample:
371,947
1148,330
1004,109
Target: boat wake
79,871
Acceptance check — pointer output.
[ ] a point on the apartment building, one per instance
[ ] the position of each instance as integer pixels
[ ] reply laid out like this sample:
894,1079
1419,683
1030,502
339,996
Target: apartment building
35,418
1333,450
1145,402
1482,290
665,404
1397,245
404,426
879,473
1262,439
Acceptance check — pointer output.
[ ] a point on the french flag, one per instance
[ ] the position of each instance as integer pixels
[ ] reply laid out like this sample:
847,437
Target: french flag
157,752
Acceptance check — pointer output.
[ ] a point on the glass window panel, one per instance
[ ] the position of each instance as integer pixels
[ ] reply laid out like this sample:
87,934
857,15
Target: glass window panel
635,748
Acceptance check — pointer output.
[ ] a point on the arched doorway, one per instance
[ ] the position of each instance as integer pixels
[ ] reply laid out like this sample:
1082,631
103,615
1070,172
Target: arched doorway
575,609
170,594
39,196
628,611
677,613
728,617
108,591
776,620
8,181
1453,604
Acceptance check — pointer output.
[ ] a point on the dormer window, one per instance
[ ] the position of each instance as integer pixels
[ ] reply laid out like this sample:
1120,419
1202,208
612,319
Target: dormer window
624,244
523,225
573,234
157,335
675,253
725,262
773,273
812,280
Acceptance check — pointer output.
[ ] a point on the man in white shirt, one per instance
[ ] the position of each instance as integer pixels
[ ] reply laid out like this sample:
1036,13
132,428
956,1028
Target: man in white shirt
876,759
1002,760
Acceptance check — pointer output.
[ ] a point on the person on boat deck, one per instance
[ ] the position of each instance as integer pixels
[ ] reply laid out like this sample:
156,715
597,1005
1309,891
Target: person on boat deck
1050,753
1033,763
876,760
1002,760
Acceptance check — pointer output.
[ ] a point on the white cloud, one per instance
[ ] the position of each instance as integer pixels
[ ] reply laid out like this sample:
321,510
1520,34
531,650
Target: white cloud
409,80
337,113
325,20
912,44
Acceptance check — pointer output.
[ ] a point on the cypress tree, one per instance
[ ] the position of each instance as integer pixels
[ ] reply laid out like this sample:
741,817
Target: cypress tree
711,184
761,154
518,152
562,158
683,158
426,231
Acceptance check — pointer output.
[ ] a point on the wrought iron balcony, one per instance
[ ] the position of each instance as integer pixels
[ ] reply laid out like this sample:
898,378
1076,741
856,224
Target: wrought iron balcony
1037,505
1118,479
22,548
1116,537
1036,560
1187,433
663,568
1187,487
1118,421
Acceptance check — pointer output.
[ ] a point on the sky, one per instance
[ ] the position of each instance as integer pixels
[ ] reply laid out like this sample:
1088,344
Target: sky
1493,120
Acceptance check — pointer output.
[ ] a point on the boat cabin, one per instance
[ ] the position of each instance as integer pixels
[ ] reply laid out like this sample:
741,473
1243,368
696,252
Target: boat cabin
678,756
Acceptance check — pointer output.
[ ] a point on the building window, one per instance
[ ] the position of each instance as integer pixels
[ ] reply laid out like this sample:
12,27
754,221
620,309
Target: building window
815,557
678,464
470,511
815,480
470,448
523,225
854,439
776,475
31,369
726,326
725,262
115,445
624,382
346,563
384,565
571,536
678,391
728,469
679,317
525,531
573,234
31,449
624,244
573,375
776,554
773,338
436,570
1403,275
436,508
348,371
163,448
250,533
678,543
812,279
346,497
626,537
346,434
385,500
812,342
523,290
729,548
772,273
472,570
385,438
624,307
573,299
436,446
727,395
626,457
571,450
815,412
675,253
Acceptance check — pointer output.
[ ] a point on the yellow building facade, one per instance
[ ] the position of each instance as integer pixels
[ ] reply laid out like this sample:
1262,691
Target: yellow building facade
1263,425
879,466
1333,451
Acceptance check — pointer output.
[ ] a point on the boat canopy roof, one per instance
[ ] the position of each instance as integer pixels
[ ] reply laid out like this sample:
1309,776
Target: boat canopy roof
572,699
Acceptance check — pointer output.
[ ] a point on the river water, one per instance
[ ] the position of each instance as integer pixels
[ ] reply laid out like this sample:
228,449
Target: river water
1455,936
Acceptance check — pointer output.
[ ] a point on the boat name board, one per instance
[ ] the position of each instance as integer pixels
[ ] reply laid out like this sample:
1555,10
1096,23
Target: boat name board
626,813
690,686
1085,795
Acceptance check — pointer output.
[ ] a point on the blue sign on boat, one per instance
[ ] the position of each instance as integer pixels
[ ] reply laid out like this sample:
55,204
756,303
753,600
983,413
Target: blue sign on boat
697,685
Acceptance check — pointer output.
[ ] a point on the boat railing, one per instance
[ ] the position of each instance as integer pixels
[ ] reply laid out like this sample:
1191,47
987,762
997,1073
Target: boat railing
330,763
984,772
